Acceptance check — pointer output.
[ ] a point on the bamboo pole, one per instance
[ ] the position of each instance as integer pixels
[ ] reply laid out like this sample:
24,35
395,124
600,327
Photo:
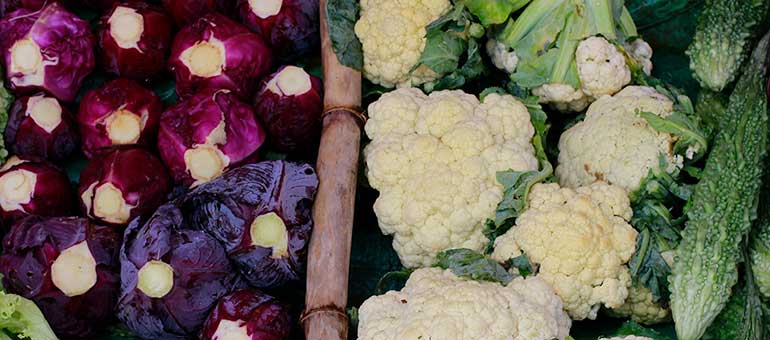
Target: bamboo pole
337,166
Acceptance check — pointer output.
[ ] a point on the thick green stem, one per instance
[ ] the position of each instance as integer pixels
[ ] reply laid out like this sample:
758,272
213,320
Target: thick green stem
627,25
567,47
514,31
600,14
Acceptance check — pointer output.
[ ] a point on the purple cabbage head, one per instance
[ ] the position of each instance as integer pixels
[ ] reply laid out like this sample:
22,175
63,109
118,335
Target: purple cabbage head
187,11
201,137
39,126
290,27
248,315
49,50
122,183
69,267
217,52
262,214
33,187
172,277
290,104
121,112
134,39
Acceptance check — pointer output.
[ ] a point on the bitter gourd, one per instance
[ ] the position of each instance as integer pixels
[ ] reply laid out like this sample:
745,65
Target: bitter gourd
723,206
760,253
723,38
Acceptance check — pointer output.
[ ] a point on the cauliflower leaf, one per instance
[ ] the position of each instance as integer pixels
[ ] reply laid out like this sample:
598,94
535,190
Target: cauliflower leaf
473,265
341,16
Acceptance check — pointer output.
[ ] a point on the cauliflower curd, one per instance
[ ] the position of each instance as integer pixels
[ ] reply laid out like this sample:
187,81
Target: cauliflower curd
436,304
434,160
614,144
581,241
392,35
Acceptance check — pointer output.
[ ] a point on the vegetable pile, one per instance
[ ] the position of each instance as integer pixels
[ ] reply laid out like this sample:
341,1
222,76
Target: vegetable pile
532,165
155,177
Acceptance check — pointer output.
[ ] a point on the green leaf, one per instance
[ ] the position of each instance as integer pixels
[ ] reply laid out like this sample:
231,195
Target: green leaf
22,318
522,263
470,264
341,17
691,143
392,281
442,51
492,12
472,68
6,99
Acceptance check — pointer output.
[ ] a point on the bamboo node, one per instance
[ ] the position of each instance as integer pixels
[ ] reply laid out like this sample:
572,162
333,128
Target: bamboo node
358,115
334,310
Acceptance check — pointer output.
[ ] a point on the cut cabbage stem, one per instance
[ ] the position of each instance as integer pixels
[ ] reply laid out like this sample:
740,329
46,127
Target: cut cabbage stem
155,279
204,59
74,270
16,187
204,162
45,112
25,56
265,8
123,127
231,330
269,231
291,81
126,27
110,205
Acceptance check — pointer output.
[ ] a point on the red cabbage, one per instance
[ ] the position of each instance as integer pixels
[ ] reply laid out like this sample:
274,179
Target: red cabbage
39,126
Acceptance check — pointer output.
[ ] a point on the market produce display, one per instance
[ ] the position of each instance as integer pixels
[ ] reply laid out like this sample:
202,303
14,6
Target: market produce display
156,177
547,141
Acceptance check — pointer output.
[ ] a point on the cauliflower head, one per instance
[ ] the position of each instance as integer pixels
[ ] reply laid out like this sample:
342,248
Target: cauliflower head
614,144
641,51
503,57
436,304
392,35
562,97
601,67
581,241
434,160
641,307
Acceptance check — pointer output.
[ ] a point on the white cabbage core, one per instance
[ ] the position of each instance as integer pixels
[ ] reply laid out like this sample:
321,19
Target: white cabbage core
123,127
13,160
269,231
231,330
291,81
25,56
109,204
126,27
205,162
265,8
16,188
155,279
205,58
45,111
74,271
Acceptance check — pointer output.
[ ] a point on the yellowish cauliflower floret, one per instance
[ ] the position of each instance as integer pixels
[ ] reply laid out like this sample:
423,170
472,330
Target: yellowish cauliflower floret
436,304
562,97
581,240
601,67
392,34
642,307
630,337
434,159
614,144
641,51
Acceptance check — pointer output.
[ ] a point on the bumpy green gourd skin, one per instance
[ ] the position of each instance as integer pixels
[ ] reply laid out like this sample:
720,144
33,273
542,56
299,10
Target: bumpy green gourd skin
723,206
723,38
729,322
760,255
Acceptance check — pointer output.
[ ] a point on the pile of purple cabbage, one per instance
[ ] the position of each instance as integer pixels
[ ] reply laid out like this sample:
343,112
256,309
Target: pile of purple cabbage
177,217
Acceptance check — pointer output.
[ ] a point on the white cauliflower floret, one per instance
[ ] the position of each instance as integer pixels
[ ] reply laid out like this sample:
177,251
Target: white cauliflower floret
581,241
392,34
614,144
434,160
503,57
601,67
641,51
642,307
629,337
436,304
562,97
